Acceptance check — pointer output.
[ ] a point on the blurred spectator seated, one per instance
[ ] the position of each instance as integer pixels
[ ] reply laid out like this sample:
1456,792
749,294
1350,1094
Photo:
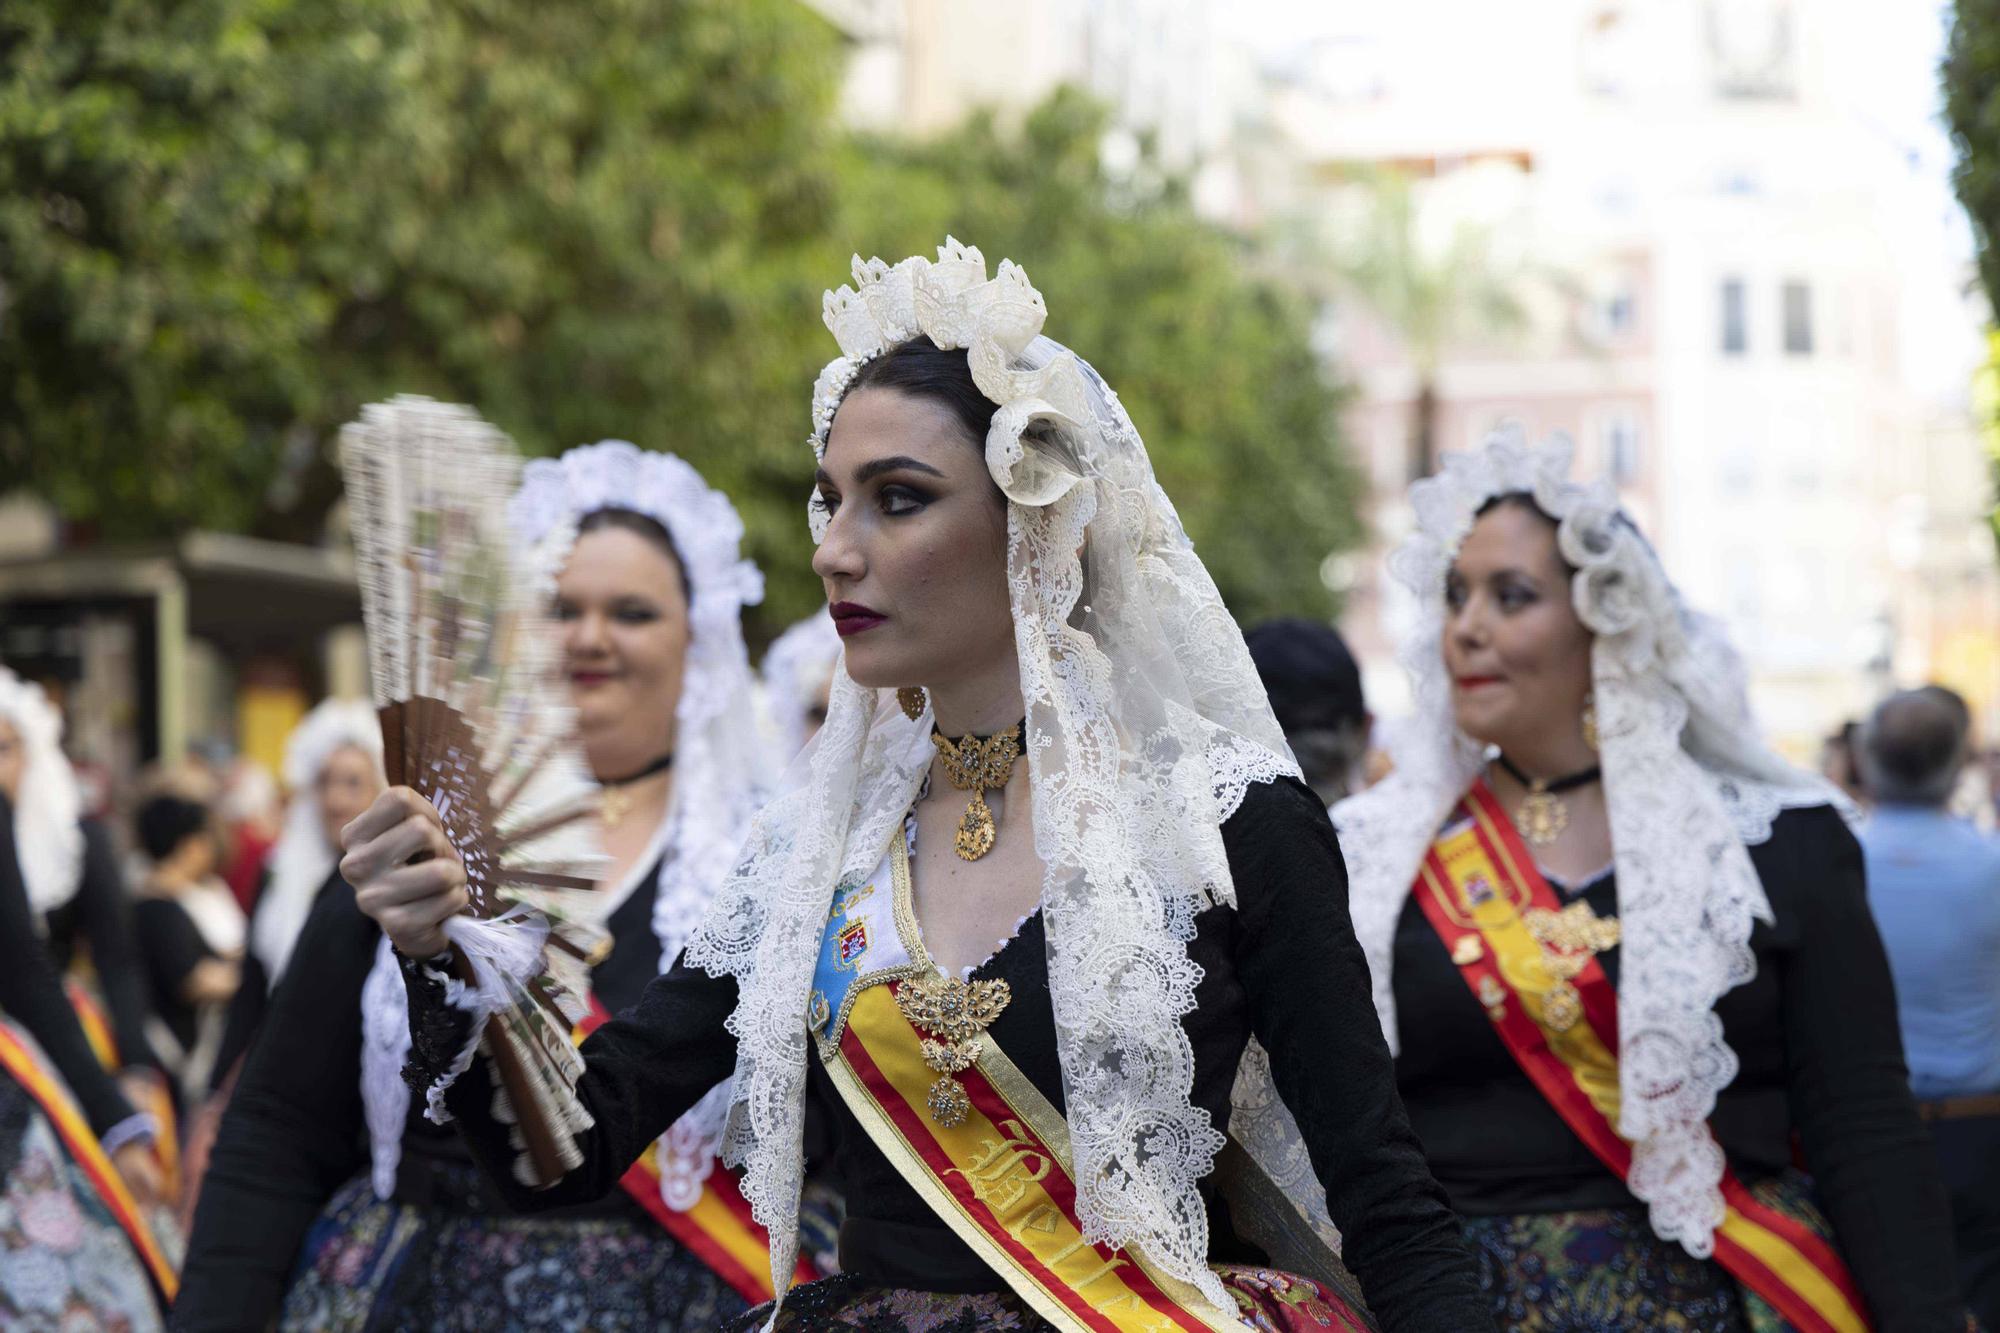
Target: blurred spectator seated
1934,885
190,931
1315,690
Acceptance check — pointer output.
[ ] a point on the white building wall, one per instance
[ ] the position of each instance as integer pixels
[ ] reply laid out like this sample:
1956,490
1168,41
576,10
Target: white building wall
1770,476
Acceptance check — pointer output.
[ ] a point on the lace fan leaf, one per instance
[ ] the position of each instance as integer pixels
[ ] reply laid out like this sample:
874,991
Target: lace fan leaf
475,720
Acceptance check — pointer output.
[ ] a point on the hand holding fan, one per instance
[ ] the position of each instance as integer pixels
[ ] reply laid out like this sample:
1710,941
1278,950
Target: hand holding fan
463,658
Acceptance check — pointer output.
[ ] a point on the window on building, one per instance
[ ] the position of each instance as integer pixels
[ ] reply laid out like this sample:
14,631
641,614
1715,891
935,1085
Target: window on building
1620,436
1798,318
1735,318
1613,314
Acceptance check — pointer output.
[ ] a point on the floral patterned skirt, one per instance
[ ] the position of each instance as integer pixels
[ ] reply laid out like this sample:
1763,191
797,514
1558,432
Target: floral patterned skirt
375,1266
1268,1301
64,1261
1604,1271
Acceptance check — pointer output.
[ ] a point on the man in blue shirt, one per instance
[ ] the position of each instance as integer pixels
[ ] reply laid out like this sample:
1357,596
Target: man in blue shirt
1934,885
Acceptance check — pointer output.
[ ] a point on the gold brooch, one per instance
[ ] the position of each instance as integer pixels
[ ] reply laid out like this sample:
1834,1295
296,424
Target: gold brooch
1569,939
978,764
951,1014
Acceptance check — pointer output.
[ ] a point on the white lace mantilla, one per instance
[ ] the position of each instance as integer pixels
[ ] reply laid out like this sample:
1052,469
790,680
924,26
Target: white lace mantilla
721,761
1146,722
1689,785
47,838
797,667
304,855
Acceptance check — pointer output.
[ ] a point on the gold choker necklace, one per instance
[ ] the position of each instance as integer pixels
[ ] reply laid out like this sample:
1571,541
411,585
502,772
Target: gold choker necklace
617,800
1544,814
978,764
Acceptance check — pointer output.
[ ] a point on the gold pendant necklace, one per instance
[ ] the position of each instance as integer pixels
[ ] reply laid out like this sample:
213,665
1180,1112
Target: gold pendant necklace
616,800
978,764
1543,814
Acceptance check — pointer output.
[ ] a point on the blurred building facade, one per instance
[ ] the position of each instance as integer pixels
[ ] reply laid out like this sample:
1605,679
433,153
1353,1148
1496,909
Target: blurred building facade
1745,303
1170,70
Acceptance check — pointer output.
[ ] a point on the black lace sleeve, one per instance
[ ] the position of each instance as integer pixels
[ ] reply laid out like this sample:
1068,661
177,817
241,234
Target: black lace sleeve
438,1032
642,1070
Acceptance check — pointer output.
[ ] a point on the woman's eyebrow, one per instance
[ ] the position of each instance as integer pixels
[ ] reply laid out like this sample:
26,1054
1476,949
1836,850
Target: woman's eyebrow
895,463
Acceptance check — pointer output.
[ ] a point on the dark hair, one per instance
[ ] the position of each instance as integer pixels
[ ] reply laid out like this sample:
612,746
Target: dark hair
1308,672
165,822
1913,745
1525,501
641,525
922,369
1315,690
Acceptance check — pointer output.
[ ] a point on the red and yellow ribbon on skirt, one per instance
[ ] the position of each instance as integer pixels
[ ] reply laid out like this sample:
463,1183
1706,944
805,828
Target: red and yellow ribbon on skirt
26,1068
719,1229
1002,1180
1476,881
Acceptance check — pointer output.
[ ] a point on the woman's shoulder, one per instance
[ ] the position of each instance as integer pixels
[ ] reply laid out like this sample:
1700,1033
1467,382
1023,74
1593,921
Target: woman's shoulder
1276,804
1279,835
1811,854
1808,829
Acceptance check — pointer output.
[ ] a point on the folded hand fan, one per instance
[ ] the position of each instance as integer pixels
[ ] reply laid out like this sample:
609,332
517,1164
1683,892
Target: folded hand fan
464,658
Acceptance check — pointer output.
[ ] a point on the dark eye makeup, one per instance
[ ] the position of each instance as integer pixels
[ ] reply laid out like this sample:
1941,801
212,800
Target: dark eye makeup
1510,589
629,611
895,499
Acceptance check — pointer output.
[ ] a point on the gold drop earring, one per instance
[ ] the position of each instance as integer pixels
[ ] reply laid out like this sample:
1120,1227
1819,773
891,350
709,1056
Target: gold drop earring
911,700
1590,722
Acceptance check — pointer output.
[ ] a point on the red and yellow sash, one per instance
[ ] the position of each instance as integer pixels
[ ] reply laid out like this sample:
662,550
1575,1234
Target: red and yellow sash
146,1088
1002,1178
1475,884
47,1089
719,1229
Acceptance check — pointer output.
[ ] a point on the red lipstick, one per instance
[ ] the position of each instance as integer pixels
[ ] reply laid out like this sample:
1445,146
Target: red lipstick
852,618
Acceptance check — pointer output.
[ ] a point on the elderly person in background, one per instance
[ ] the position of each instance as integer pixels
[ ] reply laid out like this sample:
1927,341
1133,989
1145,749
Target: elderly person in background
1934,884
1315,690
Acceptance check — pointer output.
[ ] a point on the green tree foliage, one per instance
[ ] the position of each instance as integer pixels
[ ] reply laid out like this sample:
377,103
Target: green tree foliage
225,224
1972,109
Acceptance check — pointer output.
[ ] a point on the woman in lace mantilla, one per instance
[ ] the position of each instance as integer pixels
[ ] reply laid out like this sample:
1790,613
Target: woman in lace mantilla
1043,716
81,1210
330,1202
1622,949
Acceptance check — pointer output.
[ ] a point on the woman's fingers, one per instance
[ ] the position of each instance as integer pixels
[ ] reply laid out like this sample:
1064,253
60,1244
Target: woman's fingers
414,838
142,1174
412,884
413,926
389,809
405,872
